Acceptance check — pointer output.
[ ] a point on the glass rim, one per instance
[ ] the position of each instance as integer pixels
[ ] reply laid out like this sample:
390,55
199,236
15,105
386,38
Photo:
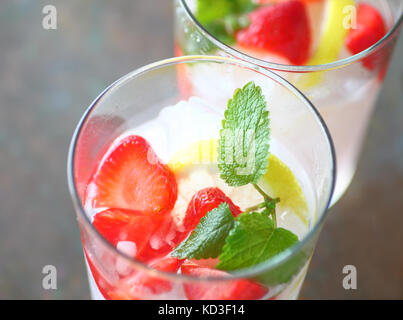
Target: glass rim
293,68
243,273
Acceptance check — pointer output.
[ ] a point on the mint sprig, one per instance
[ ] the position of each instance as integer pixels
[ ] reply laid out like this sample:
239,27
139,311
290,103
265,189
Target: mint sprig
253,237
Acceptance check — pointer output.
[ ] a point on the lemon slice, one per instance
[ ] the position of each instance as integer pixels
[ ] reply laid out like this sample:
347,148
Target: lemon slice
279,181
335,29
201,152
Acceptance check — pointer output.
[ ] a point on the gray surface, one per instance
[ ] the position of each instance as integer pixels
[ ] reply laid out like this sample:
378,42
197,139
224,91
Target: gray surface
47,78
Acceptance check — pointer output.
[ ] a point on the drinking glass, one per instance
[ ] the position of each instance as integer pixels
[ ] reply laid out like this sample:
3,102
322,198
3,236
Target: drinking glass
299,138
344,91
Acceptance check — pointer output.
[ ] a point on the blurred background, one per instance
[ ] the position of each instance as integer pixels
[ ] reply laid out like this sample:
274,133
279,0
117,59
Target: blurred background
49,77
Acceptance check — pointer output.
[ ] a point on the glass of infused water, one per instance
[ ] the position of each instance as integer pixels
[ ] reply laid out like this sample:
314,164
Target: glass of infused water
335,51
184,191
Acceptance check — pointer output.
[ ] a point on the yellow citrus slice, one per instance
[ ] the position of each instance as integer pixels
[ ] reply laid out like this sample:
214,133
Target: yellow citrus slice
279,181
337,21
201,152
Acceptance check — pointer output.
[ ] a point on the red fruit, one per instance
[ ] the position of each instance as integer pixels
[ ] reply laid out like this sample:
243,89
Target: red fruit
139,285
164,238
229,290
204,201
282,29
132,177
125,225
154,235
370,29
157,284
143,285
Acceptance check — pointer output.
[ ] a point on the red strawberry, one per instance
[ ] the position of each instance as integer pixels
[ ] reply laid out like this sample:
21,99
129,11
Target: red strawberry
124,225
282,29
132,177
152,283
143,285
370,29
163,239
154,235
204,201
229,290
139,285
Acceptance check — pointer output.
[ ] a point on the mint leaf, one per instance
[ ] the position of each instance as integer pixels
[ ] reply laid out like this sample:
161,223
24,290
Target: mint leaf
224,28
245,6
221,30
210,10
222,18
244,138
253,240
209,236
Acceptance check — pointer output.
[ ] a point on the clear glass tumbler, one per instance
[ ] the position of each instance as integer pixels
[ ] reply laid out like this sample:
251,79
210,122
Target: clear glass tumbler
344,91
299,138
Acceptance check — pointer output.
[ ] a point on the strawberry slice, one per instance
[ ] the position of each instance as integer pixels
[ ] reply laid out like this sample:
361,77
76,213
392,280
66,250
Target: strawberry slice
229,290
139,285
125,225
157,284
370,29
143,285
282,29
154,235
204,201
164,238
132,177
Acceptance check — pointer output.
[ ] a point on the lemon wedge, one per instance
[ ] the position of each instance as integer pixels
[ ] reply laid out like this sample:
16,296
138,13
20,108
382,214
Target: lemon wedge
201,152
335,29
279,181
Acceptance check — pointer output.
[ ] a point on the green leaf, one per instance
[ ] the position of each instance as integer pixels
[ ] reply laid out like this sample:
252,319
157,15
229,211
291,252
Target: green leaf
208,238
222,18
253,240
224,28
210,10
221,30
244,138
